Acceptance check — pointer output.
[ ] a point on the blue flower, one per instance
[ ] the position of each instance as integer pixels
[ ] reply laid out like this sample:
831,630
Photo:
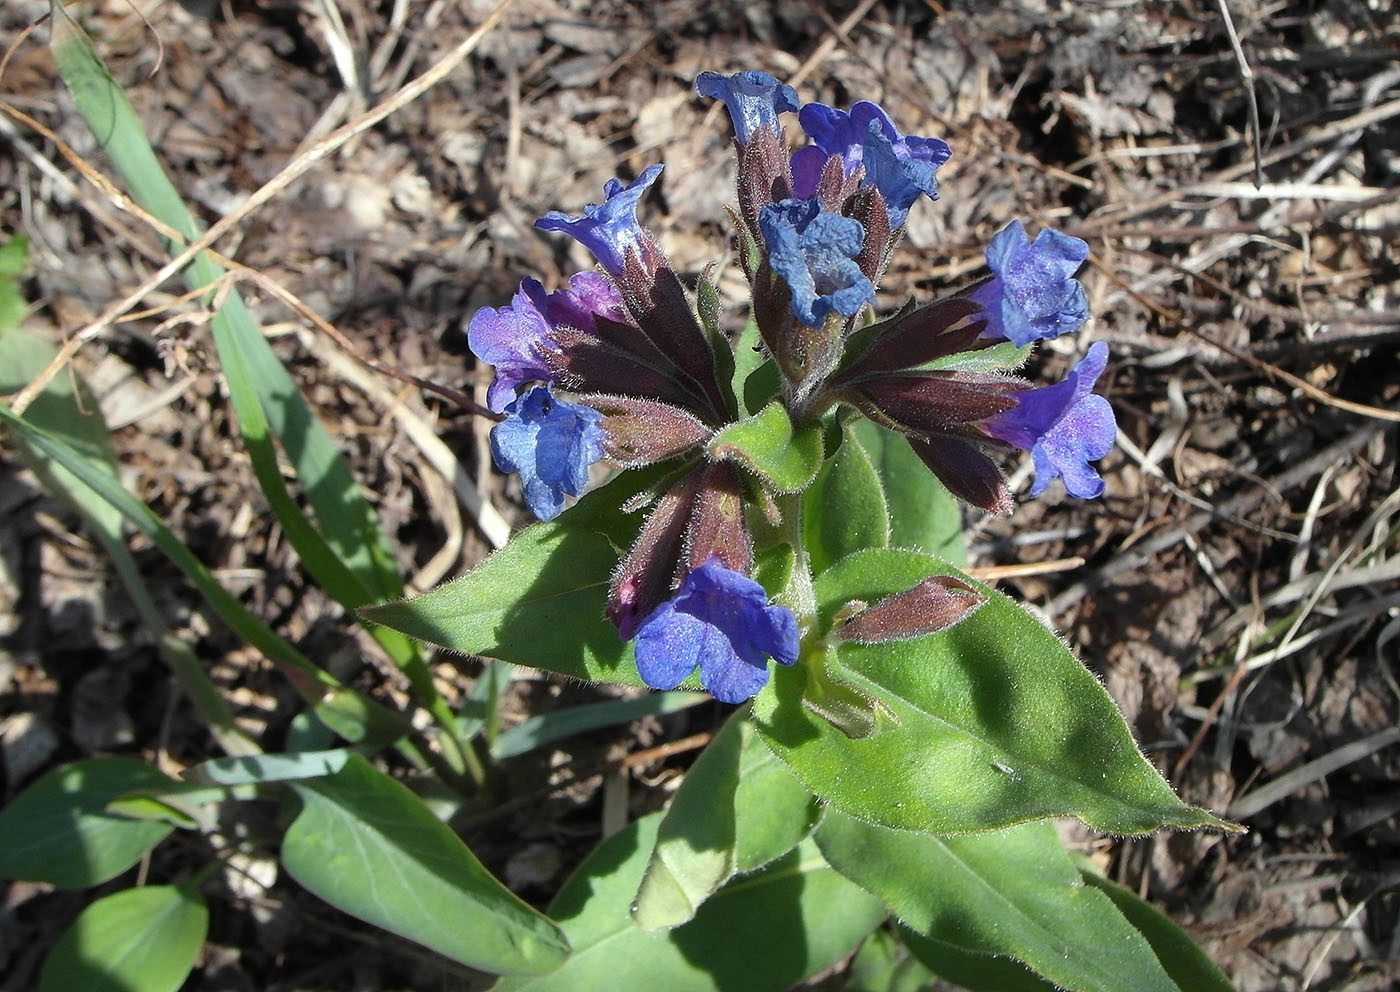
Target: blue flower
721,621
814,252
1032,293
1064,427
609,229
900,166
551,443
754,100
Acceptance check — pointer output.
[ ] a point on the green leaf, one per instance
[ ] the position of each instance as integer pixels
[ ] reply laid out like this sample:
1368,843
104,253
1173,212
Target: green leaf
139,940
349,714
761,932
737,809
59,831
924,516
346,519
539,600
1014,893
263,768
14,258
995,722
538,731
883,964
748,358
785,456
1186,963
997,358
367,845
972,971
694,853
66,408
844,510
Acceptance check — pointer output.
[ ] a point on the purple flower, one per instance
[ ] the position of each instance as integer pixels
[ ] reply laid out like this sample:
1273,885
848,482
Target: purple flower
721,621
551,443
1064,427
754,100
609,229
900,166
814,252
1032,293
515,338
511,339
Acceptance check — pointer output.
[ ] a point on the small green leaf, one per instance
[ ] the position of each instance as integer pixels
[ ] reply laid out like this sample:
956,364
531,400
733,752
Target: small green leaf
763,932
367,845
994,722
59,831
737,809
923,514
883,964
748,358
844,510
261,768
138,940
1014,893
785,456
694,853
1185,962
538,731
539,600
14,256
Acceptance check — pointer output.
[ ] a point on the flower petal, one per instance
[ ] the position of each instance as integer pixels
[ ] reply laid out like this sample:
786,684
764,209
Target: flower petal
753,98
610,229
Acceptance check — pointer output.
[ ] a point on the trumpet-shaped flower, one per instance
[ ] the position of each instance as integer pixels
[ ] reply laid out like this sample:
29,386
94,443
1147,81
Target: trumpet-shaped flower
814,252
754,100
550,443
900,166
1064,427
610,229
720,622
1033,294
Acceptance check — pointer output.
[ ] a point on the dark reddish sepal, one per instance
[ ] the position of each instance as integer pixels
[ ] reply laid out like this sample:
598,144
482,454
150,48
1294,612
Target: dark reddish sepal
965,470
917,338
643,579
934,605
639,431
717,527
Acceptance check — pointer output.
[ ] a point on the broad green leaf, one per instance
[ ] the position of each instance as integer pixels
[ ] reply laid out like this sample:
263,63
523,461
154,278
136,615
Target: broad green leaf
346,519
761,932
262,768
1014,893
995,722
1186,963
924,516
971,971
883,964
844,510
538,731
784,455
737,809
367,845
349,714
539,600
694,852
58,830
138,940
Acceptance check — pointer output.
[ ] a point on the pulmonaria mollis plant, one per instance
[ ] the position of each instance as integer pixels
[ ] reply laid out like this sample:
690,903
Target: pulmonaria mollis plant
622,367
783,530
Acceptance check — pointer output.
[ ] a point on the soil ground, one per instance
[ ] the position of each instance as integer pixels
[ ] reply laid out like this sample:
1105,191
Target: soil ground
1236,587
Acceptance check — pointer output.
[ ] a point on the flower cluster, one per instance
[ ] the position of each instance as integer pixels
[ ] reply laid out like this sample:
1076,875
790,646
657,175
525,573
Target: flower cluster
648,378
